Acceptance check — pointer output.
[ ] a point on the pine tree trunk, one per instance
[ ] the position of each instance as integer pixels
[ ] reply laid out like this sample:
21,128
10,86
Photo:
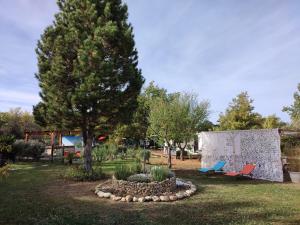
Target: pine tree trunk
87,140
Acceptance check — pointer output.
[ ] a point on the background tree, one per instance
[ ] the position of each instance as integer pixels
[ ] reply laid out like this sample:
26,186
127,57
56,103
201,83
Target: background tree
294,109
239,115
161,122
272,121
176,117
138,126
15,122
87,68
190,116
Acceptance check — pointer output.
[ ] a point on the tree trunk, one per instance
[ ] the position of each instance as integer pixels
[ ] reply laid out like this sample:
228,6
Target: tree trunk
87,140
182,150
169,157
181,153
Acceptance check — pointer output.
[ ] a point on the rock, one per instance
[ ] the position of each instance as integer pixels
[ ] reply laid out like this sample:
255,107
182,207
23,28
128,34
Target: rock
112,196
135,199
173,197
123,199
141,199
129,198
107,195
100,194
193,190
180,195
164,198
148,198
187,193
156,199
190,192
117,198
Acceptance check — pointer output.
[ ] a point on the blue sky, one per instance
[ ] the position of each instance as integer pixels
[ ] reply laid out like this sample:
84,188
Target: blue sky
215,48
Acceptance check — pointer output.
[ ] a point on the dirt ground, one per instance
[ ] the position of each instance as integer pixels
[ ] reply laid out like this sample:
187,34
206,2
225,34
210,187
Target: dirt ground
158,158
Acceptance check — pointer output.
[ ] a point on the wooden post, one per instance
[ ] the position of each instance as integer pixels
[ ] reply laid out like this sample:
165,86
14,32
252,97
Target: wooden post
52,145
60,139
26,137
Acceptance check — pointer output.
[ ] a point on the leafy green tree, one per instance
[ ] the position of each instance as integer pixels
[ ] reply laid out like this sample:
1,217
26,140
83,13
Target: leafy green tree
15,122
189,116
138,126
272,121
161,122
177,117
294,109
239,115
88,72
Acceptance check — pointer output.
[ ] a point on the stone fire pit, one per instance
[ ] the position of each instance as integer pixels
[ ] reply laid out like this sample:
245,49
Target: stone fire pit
171,189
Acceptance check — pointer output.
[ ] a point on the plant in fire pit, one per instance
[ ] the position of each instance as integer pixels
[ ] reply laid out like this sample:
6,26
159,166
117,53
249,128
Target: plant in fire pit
122,172
159,173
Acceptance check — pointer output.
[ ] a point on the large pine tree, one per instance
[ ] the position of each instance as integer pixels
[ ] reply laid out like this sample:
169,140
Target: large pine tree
87,68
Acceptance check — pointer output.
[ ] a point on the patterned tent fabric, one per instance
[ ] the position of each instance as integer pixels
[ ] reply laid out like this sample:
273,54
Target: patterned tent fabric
237,148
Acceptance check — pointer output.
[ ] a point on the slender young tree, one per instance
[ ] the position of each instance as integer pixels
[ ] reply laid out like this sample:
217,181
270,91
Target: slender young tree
190,117
177,118
87,68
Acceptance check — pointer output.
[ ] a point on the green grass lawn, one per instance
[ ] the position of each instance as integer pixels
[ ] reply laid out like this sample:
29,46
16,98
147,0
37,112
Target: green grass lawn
34,193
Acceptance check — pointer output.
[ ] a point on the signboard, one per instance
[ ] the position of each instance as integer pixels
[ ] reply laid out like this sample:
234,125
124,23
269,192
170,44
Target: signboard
73,141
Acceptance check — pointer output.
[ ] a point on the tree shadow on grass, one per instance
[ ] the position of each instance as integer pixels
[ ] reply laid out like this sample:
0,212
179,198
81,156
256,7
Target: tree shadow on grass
185,212
218,179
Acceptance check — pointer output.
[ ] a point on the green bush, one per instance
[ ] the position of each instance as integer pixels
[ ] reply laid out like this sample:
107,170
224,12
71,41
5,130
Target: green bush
122,172
146,154
78,173
101,153
159,173
32,149
136,167
6,142
131,153
4,171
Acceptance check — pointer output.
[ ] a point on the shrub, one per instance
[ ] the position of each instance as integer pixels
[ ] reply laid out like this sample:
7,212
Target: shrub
159,173
70,156
32,149
112,151
122,172
145,154
144,178
6,142
100,153
136,168
78,173
131,153
4,171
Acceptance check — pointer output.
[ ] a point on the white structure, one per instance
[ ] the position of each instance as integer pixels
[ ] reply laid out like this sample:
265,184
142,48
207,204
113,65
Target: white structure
261,147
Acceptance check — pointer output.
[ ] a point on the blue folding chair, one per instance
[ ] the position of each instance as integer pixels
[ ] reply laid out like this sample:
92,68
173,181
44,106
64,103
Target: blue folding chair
217,168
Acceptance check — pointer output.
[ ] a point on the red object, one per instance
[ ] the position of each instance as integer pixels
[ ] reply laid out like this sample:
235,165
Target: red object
101,138
66,154
247,170
78,154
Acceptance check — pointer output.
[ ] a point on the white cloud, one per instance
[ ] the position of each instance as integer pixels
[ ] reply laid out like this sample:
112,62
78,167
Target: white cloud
18,96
